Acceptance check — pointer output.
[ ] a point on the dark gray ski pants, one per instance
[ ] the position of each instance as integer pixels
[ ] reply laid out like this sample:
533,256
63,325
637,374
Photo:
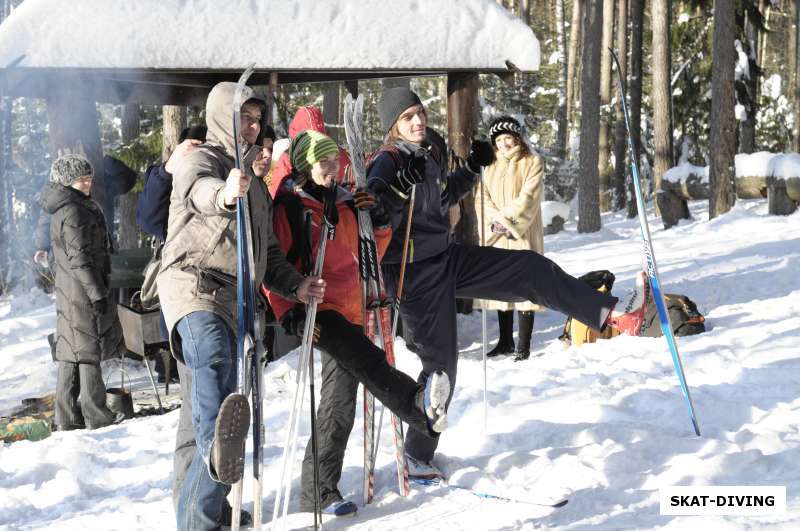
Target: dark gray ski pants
349,357
428,306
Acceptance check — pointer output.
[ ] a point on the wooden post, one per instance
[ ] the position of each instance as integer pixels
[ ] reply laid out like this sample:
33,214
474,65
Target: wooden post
74,128
128,236
330,110
272,88
462,125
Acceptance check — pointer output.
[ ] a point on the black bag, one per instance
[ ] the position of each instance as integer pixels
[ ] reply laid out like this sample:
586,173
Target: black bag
686,320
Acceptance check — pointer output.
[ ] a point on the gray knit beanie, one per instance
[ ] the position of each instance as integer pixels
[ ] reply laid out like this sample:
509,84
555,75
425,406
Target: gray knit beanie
69,168
392,104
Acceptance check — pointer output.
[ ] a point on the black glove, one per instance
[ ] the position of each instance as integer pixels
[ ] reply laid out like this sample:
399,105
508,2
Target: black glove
481,153
413,172
294,322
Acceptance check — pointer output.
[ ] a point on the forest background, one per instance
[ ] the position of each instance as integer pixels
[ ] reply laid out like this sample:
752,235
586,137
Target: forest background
705,80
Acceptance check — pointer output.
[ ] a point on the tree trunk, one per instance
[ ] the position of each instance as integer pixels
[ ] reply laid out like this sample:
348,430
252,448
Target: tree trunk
604,158
674,208
128,236
575,31
525,11
561,113
723,124
5,191
620,143
588,187
795,79
747,128
174,120
635,88
74,128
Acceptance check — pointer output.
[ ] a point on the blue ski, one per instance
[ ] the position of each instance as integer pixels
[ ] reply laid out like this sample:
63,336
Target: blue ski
650,258
249,346
436,482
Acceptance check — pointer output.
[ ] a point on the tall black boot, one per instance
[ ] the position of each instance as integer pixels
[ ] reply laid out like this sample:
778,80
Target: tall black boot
505,345
525,333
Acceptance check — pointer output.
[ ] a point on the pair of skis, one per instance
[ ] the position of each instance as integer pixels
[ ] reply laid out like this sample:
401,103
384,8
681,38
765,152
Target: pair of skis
250,348
650,258
375,305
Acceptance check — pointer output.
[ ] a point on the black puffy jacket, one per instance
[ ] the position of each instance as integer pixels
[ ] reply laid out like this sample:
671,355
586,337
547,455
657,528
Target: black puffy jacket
88,328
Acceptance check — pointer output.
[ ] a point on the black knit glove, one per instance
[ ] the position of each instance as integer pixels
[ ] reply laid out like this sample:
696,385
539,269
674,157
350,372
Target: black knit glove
481,154
413,172
294,322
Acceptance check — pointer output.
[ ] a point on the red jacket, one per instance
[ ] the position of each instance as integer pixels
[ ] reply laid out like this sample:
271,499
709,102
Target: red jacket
308,117
340,270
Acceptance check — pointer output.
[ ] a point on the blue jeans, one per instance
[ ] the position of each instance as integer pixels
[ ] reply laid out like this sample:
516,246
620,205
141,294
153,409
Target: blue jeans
209,350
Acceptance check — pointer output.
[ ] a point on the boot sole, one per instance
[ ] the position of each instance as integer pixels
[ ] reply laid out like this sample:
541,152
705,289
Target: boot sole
230,434
439,391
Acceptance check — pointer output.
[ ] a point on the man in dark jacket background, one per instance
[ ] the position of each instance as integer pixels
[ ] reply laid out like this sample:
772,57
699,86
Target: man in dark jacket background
88,329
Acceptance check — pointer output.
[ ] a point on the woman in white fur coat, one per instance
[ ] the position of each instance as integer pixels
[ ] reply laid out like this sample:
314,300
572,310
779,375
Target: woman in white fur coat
512,199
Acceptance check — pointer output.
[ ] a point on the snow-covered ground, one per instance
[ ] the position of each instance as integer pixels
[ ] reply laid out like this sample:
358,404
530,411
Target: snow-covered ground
605,423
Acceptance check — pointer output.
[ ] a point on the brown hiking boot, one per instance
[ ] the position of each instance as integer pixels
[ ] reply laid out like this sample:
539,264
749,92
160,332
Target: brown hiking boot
230,434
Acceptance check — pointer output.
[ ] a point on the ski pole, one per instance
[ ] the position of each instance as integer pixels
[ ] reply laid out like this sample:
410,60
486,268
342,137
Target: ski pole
403,262
483,315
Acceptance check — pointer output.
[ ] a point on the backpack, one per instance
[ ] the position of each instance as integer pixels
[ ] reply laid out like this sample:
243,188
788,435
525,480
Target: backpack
576,332
149,291
685,318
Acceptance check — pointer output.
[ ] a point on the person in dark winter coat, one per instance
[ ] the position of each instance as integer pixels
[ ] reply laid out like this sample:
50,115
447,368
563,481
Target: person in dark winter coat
439,271
348,356
88,329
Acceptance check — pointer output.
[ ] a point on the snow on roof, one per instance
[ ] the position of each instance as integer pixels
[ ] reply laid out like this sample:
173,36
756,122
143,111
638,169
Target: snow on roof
275,34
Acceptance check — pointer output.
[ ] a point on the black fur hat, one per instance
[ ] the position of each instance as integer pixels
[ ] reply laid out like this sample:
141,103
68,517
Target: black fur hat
505,125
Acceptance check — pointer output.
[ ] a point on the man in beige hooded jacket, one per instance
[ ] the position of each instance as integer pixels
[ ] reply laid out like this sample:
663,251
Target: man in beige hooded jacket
197,290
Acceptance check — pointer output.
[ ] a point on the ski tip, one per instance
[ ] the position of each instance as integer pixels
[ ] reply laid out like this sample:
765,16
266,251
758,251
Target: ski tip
560,504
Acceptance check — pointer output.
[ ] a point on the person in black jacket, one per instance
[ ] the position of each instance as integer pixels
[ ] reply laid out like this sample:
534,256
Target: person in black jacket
439,271
88,329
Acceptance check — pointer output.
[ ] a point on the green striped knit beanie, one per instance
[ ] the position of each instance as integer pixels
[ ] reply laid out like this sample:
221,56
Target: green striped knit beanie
308,148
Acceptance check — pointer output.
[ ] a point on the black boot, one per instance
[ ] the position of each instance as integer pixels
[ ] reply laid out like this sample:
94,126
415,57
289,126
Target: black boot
525,333
505,345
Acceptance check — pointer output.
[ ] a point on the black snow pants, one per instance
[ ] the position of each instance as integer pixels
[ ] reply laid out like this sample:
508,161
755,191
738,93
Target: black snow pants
349,357
431,286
